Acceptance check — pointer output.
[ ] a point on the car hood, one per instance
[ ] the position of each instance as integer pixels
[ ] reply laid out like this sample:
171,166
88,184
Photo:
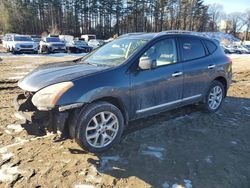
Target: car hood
53,73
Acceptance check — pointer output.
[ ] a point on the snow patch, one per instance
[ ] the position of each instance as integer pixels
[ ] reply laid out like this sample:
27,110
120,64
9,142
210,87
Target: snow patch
7,156
8,173
104,164
165,185
234,142
208,159
188,183
154,152
246,108
15,127
177,186
20,141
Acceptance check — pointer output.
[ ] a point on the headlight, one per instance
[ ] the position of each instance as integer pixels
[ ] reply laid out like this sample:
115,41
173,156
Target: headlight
46,98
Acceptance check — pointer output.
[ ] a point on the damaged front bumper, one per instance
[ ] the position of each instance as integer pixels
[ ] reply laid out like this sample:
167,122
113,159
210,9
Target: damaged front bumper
53,120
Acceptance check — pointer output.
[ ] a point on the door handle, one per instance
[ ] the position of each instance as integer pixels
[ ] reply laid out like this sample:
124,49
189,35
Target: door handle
176,74
211,66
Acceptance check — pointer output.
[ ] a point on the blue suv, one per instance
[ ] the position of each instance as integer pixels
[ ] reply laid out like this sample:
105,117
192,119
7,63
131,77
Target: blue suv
137,75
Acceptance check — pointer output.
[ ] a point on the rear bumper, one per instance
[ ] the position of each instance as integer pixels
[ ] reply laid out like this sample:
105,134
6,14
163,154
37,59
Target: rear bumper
51,120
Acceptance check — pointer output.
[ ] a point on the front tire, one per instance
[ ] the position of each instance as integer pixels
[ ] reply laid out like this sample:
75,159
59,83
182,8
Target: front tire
214,97
99,126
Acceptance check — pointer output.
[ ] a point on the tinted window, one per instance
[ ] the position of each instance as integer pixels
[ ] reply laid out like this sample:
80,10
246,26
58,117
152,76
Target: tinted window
191,48
210,46
163,52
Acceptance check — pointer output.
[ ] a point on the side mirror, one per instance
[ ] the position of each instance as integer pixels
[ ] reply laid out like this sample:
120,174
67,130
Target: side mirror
146,63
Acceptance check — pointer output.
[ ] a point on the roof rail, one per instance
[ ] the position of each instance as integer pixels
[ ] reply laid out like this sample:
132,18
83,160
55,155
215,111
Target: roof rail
131,34
182,32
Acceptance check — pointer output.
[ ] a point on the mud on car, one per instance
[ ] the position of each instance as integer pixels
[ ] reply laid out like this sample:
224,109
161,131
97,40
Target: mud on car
93,99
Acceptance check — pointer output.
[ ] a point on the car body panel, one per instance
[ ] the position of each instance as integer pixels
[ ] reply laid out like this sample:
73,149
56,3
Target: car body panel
56,72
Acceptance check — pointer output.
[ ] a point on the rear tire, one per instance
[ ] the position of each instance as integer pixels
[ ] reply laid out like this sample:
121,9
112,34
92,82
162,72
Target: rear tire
98,126
214,97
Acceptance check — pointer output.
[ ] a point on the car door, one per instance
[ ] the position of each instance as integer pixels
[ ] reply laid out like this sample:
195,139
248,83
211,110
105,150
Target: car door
159,88
197,67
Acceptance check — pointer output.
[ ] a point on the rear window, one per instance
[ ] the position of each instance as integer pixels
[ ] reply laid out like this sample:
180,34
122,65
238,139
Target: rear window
210,46
191,48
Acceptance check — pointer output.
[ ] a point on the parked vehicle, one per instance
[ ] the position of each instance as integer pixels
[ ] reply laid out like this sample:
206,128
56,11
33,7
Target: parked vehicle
247,47
96,43
229,49
88,37
52,45
66,38
22,44
78,46
94,98
241,50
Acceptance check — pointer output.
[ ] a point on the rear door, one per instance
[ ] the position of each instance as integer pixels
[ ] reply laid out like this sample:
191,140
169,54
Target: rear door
197,67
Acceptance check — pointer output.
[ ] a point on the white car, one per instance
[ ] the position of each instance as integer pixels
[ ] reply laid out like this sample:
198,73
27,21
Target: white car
52,45
96,43
242,49
22,44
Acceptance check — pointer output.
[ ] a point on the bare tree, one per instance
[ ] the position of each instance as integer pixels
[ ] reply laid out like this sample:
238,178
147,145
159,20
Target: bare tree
236,21
215,11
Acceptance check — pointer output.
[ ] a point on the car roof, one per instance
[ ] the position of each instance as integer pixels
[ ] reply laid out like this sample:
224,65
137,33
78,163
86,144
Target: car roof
149,36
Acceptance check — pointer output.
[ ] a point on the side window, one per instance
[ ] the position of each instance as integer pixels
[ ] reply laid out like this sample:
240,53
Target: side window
163,52
191,48
210,46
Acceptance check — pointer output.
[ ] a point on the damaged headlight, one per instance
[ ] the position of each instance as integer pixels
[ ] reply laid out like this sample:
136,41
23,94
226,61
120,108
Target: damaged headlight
47,97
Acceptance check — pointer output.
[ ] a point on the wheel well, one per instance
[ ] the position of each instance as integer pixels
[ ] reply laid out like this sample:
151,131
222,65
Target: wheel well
118,103
224,82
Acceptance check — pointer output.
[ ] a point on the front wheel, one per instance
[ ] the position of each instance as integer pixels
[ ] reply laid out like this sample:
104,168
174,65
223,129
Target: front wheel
99,126
214,97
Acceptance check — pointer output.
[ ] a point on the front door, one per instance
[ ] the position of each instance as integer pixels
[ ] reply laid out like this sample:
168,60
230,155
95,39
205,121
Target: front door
156,89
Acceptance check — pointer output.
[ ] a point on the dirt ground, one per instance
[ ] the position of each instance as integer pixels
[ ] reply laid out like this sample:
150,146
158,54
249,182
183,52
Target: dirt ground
181,148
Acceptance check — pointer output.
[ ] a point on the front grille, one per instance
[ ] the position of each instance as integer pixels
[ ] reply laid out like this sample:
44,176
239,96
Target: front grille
26,46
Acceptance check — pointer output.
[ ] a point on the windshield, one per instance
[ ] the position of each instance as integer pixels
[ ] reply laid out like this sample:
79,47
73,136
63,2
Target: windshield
21,38
115,52
52,39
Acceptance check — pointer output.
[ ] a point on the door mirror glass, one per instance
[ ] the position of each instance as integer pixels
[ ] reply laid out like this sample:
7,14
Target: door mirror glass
146,63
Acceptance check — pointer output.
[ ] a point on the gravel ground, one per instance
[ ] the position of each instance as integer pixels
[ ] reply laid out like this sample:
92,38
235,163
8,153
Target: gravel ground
181,148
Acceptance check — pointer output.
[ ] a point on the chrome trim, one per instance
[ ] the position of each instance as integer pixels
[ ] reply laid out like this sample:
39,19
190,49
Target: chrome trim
211,66
70,106
167,104
177,74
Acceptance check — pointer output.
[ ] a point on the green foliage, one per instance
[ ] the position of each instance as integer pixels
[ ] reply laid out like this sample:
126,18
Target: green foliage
102,17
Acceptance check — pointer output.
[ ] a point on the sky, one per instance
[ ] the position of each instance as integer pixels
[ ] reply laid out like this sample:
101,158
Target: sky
231,5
